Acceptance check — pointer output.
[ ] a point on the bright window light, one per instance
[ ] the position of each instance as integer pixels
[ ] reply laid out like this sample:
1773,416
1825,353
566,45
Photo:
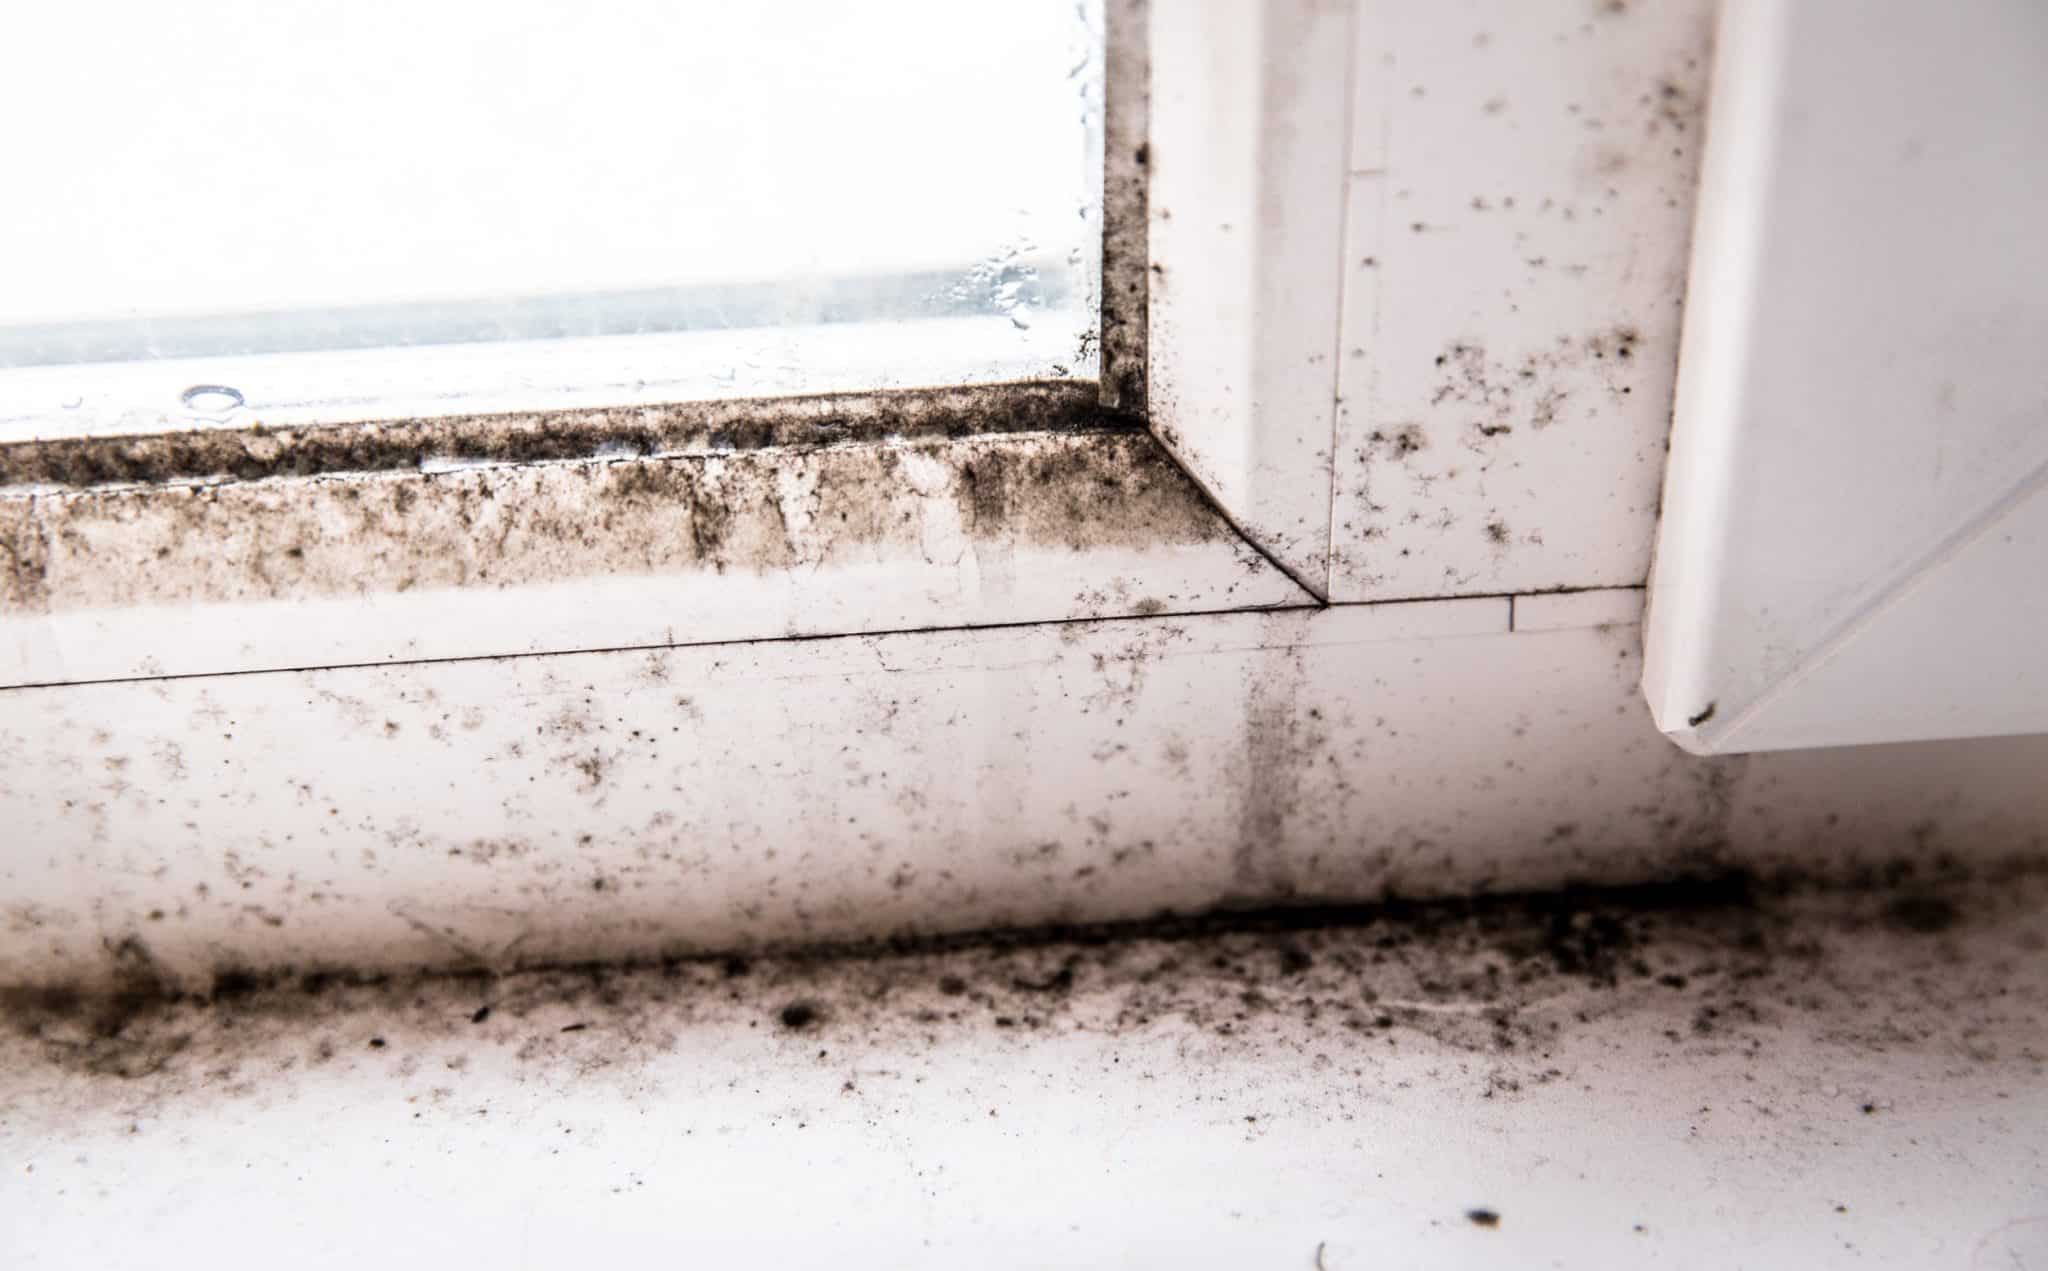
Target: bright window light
331,210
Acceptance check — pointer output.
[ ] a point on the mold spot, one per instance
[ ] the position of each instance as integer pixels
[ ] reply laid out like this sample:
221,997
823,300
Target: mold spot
1400,442
234,982
1922,915
800,1016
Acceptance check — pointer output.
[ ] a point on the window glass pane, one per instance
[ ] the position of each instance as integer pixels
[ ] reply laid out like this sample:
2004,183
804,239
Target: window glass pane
345,209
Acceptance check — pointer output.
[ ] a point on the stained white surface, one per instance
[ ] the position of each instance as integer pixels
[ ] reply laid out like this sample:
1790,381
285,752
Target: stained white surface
1521,193
1839,1090
1250,119
1854,524
552,557
615,803
603,805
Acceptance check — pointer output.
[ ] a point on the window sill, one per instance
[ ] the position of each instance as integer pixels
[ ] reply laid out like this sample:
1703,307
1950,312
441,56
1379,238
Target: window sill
231,552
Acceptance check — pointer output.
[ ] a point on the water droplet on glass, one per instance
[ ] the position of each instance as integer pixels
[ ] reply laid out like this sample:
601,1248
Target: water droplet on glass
1005,283
210,399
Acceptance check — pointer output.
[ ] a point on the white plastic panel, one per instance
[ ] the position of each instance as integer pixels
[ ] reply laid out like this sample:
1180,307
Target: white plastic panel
1854,520
1563,610
1249,120
624,803
1521,190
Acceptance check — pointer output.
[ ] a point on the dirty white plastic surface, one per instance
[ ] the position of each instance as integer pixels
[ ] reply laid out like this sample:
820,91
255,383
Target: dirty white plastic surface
1250,122
917,553
619,804
1520,196
1854,516
1870,1100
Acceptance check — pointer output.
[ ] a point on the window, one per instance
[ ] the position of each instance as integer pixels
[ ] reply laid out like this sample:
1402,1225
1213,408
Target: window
241,212
549,330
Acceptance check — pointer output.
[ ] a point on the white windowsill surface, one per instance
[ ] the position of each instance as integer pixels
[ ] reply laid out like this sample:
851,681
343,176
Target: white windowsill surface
1845,1087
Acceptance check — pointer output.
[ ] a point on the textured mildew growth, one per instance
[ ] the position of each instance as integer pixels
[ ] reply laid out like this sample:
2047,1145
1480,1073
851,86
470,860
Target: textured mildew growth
1726,967
754,510
258,453
1126,186
24,557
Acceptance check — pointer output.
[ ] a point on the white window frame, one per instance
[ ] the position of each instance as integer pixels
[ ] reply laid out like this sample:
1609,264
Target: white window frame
233,551
1856,506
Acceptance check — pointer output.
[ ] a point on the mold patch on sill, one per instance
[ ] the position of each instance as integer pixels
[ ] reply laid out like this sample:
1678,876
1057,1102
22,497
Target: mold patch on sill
691,428
1722,966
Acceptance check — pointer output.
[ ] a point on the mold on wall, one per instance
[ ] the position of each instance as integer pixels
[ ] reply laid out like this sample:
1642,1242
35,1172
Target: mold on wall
1521,196
494,813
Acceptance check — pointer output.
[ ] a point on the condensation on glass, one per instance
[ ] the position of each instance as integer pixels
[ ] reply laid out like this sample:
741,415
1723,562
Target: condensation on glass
233,212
